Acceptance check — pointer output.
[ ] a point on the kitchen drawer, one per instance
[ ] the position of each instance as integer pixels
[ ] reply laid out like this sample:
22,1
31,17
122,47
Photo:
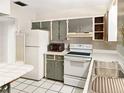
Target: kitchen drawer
60,61
74,81
50,57
58,57
48,61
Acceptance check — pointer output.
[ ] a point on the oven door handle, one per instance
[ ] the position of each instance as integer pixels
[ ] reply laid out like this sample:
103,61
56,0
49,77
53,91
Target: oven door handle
83,61
79,61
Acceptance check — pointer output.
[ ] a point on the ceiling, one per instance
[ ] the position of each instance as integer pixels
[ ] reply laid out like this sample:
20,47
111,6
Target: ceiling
72,7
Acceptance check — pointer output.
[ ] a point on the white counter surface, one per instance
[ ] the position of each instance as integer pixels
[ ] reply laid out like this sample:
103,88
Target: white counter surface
103,55
11,72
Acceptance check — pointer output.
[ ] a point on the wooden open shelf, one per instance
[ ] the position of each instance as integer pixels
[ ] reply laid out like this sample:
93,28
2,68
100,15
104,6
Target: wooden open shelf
99,36
99,28
99,19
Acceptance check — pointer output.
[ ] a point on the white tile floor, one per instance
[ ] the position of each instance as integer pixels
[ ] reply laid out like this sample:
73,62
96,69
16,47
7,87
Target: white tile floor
43,86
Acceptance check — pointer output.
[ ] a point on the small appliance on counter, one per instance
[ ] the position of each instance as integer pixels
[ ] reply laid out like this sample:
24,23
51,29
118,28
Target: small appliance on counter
56,47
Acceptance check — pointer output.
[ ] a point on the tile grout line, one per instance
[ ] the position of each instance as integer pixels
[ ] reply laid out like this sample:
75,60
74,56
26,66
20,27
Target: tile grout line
72,90
25,87
18,84
50,87
61,88
44,81
54,90
39,86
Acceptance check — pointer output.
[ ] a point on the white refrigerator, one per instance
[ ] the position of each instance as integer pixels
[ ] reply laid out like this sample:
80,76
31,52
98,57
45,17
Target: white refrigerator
36,42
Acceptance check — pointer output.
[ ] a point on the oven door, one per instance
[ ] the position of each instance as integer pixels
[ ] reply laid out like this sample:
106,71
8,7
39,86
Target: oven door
76,66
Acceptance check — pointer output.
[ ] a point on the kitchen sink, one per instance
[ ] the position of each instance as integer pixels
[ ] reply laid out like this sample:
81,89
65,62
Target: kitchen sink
108,69
110,73
107,77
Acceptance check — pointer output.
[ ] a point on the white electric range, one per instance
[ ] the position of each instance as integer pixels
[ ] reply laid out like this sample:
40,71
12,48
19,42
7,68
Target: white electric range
76,64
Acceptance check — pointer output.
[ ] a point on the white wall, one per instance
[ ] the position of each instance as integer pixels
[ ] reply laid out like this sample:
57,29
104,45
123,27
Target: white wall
23,17
112,23
3,43
7,44
5,6
68,14
20,47
11,42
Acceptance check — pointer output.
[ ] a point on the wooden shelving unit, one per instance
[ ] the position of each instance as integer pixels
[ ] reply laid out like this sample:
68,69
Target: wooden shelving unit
99,28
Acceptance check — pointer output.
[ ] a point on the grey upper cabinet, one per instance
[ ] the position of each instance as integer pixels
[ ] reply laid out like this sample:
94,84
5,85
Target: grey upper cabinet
55,31
59,30
36,25
45,25
80,25
41,25
63,30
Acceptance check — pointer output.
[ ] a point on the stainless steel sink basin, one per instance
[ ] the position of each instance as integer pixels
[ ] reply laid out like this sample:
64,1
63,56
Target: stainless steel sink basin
108,77
108,69
111,73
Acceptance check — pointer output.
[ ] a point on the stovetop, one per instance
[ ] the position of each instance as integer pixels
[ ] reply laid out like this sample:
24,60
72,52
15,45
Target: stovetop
79,53
80,50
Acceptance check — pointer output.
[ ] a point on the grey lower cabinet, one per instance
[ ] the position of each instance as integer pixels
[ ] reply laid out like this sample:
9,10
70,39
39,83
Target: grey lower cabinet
59,70
55,67
51,69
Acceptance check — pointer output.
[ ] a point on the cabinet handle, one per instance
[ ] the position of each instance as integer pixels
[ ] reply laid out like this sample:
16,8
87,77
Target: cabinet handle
83,61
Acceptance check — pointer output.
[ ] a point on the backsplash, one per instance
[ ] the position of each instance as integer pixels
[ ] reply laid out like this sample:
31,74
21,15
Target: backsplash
105,45
78,40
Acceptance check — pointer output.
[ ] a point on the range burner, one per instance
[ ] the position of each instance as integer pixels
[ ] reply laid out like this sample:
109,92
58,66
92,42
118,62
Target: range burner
79,53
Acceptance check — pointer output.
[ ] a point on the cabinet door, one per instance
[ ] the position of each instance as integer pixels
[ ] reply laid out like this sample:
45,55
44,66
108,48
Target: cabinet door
36,25
80,25
59,70
45,25
50,69
55,31
63,30
50,57
59,30
59,58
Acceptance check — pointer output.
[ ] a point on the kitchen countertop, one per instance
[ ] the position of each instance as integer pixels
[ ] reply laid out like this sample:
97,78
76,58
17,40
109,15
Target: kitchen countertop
102,55
11,72
56,53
